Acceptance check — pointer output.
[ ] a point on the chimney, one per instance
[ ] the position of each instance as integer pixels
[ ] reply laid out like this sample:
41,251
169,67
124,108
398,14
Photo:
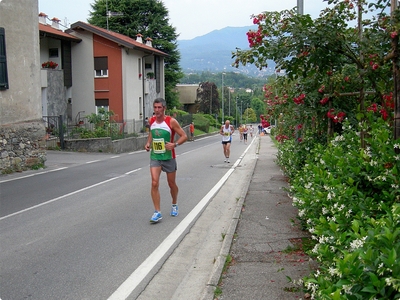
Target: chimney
148,42
42,18
55,23
139,38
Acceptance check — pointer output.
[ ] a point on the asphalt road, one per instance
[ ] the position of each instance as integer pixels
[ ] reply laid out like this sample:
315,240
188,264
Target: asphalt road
80,228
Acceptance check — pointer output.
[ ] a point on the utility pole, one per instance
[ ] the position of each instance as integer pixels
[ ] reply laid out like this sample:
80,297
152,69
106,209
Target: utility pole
222,118
300,7
211,99
229,102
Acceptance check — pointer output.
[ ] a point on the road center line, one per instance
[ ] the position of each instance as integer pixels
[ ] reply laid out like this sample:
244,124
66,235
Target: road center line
30,175
67,195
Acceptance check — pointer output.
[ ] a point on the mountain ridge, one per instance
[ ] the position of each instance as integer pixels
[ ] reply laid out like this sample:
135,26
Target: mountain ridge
213,52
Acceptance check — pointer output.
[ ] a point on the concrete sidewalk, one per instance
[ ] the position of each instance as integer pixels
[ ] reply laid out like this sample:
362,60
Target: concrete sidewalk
251,220
261,266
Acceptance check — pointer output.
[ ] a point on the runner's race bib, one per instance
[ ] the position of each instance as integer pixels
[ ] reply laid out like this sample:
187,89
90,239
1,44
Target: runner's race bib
158,146
227,136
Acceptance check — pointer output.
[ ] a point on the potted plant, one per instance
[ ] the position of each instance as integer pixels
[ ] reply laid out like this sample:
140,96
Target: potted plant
150,75
49,65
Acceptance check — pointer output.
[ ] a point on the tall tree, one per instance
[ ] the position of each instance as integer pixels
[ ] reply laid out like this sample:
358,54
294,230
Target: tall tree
149,18
207,92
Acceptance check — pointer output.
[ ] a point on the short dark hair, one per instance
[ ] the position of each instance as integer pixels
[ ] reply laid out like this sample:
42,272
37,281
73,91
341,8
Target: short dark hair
160,100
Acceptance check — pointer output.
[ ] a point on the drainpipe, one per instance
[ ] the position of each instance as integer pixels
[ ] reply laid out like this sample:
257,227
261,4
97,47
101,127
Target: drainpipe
143,94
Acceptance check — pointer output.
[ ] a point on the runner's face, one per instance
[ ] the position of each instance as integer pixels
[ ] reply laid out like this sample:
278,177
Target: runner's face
158,109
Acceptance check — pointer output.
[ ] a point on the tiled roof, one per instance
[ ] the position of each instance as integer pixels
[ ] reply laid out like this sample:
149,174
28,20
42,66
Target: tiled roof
115,37
57,33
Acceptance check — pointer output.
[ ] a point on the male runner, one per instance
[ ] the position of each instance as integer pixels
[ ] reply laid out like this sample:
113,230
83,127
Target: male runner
226,131
162,155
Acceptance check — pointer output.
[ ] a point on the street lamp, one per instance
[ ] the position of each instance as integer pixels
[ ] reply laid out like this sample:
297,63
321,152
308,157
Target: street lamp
241,112
237,98
229,102
222,119
247,113
211,99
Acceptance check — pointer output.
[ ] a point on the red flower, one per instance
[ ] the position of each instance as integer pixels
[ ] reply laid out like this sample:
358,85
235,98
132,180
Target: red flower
384,114
335,118
324,101
373,107
299,100
49,65
393,34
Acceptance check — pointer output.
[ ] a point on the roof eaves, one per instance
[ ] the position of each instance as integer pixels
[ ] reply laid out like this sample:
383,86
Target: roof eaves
114,38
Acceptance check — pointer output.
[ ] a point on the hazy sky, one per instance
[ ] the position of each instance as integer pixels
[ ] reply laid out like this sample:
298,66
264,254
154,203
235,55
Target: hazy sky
191,18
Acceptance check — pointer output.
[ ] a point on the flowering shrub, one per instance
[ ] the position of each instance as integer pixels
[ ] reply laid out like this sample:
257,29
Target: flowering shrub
49,65
349,200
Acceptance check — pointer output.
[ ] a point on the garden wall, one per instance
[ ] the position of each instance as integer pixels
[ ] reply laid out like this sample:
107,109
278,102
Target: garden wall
106,145
22,146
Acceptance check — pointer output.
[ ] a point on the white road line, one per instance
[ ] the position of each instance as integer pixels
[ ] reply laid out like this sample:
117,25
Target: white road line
133,171
30,175
127,287
92,161
66,195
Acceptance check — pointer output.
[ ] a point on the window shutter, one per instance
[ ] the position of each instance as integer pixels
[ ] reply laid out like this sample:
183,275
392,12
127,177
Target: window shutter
101,63
3,61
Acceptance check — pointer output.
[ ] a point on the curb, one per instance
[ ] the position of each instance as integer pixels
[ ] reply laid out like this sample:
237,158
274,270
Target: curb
228,239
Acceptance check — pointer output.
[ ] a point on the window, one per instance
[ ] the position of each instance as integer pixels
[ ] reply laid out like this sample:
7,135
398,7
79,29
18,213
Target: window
3,61
53,52
101,67
101,103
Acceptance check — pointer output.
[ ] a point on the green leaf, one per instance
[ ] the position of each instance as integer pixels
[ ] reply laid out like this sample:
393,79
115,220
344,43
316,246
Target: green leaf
369,289
355,226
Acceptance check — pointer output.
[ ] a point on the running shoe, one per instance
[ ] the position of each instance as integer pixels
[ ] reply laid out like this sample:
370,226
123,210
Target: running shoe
156,217
228,161
174,210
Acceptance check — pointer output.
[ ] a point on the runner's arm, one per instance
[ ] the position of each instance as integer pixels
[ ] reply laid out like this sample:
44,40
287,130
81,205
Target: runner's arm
149,138
178,130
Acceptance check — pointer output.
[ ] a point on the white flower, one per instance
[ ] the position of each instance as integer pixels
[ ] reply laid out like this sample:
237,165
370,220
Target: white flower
347,288
324,210
357,243
397,146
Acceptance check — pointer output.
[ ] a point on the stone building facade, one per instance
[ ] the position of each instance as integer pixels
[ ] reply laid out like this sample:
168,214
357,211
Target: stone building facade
22,129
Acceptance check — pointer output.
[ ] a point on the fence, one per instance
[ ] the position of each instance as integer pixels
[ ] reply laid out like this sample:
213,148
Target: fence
57,129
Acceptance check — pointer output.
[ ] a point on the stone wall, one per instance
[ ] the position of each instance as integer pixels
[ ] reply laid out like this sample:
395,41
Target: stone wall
22,146
106,145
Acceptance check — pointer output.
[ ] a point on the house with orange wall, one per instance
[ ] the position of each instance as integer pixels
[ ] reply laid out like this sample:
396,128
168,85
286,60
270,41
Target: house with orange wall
110,70
56,71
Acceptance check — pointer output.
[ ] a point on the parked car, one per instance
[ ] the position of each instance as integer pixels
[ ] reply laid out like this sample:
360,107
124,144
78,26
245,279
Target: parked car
267,130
